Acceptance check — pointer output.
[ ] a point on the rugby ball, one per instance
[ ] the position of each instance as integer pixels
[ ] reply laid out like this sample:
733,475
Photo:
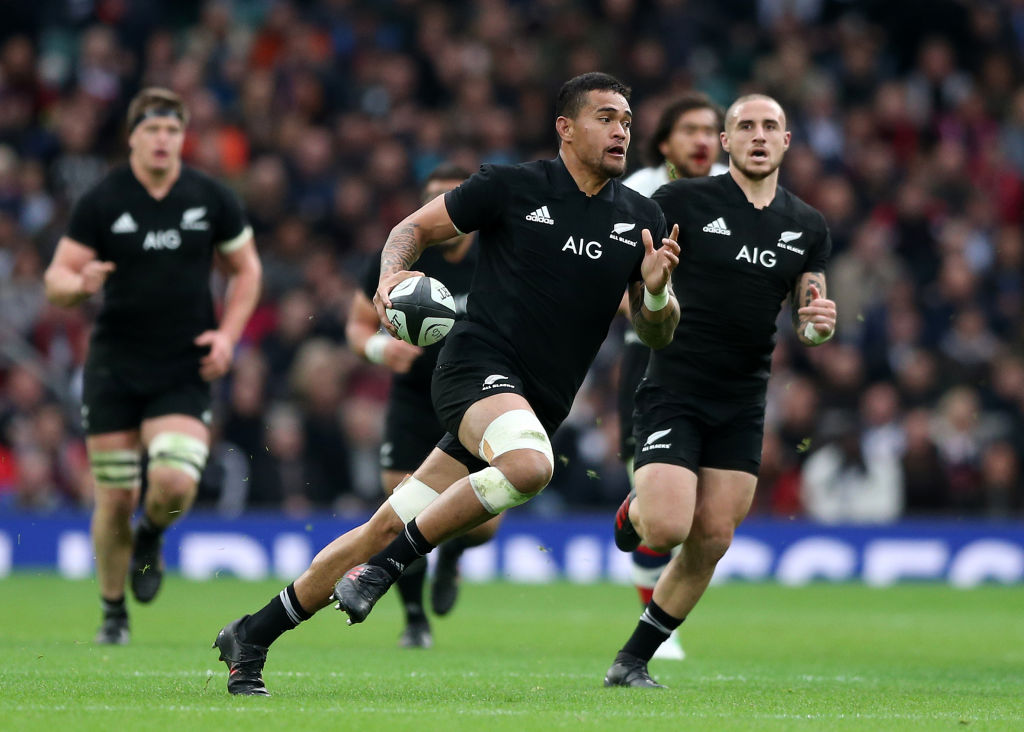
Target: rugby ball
422,310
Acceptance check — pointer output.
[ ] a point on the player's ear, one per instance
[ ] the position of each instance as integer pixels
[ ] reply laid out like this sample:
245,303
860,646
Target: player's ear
564,126
724,137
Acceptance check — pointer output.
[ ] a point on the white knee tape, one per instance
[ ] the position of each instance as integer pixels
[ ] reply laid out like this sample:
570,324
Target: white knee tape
410,497
517,429
496,492
179,451
116,468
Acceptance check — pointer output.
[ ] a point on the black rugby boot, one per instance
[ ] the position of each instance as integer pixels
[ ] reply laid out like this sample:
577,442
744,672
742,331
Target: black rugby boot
358,591
244,661
416,635
445,589
147,567
626,538
628,670
114,631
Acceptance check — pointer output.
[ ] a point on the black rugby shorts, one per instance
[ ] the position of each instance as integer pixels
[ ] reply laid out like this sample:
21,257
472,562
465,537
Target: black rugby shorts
632,366
115,402
479,372
411,430
696,432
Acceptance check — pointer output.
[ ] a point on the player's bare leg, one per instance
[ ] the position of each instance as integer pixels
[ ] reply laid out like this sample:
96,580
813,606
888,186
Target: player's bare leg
703,519
723,501
416,633
178,445
115,465
244,642
515,474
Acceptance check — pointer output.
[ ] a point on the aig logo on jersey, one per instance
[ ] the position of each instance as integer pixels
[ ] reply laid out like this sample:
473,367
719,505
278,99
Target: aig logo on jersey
754,255
590,248
167,239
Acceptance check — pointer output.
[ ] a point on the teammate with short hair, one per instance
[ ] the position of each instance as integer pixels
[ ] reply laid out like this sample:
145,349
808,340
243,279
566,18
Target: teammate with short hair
748,244
684,145
411,428
559,241
147,235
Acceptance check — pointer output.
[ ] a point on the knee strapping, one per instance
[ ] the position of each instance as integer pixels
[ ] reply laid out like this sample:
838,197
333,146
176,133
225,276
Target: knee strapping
410,497
496,492
517,429
116,468
180,452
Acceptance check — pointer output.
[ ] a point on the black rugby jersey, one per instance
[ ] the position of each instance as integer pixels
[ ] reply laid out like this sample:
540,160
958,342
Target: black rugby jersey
457,277
737,265
158,299
553,266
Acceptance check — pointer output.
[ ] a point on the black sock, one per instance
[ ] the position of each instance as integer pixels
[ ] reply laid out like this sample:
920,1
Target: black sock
147,530
406,548
114,608
654,628
452,549
410,587
280,614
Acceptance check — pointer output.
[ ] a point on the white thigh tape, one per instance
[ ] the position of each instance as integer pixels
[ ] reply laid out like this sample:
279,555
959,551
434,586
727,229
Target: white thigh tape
517,429
179,451
116,468
410,497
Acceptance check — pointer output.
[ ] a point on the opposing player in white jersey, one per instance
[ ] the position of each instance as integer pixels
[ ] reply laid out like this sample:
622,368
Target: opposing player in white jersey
684,145
147,235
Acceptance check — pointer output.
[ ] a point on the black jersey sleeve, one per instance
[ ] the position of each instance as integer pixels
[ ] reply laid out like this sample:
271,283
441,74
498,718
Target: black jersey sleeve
477,201
371,276
818,258
230,228
84,226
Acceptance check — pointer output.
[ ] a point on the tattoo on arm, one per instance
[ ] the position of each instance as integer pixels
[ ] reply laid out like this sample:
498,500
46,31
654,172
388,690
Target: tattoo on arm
654,333
798,299
400,250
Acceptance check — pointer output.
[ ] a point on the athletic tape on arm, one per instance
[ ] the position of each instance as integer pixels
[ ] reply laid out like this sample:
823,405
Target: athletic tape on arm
516,429
116,468
179,451
410,497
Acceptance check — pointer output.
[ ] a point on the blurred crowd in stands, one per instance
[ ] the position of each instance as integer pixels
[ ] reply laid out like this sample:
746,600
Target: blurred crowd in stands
326,115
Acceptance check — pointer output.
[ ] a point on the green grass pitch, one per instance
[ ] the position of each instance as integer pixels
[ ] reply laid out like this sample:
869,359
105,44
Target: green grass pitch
525,657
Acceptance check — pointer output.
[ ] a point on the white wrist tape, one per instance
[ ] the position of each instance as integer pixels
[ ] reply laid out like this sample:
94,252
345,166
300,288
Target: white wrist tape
811,333
655,302
374,348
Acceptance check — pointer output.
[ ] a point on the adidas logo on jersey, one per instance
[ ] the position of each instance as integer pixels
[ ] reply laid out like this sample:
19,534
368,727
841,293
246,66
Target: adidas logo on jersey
718,226
191,220
125,224
651,443
541,216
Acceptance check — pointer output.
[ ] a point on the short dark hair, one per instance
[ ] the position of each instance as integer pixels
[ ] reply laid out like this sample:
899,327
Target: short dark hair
154,97
447,171
671,115
573,92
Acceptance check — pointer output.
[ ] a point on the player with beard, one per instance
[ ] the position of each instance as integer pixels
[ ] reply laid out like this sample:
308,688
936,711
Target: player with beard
684,145
559,241
411,428
147,235
747,244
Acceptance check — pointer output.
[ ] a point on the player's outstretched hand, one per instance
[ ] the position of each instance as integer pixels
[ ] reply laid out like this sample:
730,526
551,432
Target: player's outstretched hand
381,300
217,362
399,355
658,263
94,274
820,312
